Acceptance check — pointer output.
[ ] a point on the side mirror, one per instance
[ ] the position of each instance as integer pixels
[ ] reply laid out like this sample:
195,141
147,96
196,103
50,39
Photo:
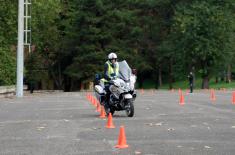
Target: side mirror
134,71
97,76
97,79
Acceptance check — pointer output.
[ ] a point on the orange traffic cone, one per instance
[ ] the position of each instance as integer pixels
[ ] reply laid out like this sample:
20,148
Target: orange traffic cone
95,102
92,100
121,139
102,112
98,107
110,122
181,99
88,95
233,98
142,91
213,98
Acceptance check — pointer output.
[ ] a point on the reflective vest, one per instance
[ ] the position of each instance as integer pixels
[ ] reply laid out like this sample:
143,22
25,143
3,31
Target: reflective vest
111,70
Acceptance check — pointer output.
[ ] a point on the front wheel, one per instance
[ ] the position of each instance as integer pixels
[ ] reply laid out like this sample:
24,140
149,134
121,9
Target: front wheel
130,108
109,110
112,111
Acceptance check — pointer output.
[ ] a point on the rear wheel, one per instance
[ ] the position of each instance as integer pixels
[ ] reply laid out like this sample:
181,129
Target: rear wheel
130,108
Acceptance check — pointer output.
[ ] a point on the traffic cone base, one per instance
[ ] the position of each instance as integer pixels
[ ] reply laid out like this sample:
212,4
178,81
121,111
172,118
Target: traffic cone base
102,113
182,103
122,146
213,98
142,91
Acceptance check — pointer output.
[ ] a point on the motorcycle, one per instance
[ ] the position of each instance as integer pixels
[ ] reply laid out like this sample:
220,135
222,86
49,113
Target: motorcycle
122,93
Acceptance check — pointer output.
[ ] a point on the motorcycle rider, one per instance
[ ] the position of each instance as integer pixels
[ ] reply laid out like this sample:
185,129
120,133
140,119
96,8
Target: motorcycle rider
111,70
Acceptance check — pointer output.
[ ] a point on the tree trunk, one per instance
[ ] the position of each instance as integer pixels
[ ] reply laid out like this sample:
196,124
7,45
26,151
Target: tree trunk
140,81
194,75
67,84
223,78
57,77
228,77
56,81
205,76
79,83
60,77
205,82
170,75
72,85
160,76
216,79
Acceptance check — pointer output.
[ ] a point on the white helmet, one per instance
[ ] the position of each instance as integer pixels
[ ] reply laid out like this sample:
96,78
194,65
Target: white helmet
112,56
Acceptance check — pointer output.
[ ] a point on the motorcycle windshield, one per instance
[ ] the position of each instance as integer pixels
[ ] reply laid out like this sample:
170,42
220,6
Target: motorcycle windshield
124,71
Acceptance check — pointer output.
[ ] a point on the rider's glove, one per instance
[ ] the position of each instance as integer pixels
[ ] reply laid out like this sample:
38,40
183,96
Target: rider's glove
114,77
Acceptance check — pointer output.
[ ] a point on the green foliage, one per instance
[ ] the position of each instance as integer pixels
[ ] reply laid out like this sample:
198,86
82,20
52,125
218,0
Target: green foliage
8,24
8,31
202,31
96,32
7,67
162,39
34,68
47,36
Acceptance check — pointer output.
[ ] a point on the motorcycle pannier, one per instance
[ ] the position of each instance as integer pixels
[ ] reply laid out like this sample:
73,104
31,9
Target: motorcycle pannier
99,89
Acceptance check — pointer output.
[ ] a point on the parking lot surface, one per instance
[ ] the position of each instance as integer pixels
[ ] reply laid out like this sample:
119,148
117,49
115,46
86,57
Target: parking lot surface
68,124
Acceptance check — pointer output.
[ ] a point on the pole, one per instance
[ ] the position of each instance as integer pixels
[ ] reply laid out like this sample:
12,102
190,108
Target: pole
20,50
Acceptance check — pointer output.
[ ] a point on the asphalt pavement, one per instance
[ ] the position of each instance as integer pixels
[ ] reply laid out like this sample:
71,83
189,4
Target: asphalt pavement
68,124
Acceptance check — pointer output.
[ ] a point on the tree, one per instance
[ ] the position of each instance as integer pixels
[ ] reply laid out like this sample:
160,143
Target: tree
8,33
47,36
202,30
7,67
97,28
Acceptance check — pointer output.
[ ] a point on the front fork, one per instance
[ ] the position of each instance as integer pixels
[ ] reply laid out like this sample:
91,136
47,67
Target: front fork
125,101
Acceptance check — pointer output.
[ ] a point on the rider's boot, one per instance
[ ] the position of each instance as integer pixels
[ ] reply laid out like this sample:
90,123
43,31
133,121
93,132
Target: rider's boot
106,107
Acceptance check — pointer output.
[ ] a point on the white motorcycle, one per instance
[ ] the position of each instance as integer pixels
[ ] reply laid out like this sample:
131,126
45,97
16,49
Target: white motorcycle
122,91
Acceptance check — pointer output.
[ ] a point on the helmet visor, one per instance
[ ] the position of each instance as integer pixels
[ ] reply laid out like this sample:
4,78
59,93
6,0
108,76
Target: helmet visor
113,59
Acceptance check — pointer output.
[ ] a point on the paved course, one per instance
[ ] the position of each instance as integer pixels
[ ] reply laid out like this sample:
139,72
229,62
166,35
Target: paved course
67,124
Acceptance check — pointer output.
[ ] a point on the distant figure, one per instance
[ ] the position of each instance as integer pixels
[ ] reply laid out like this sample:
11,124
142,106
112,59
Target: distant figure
31,86
30,83
190,77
